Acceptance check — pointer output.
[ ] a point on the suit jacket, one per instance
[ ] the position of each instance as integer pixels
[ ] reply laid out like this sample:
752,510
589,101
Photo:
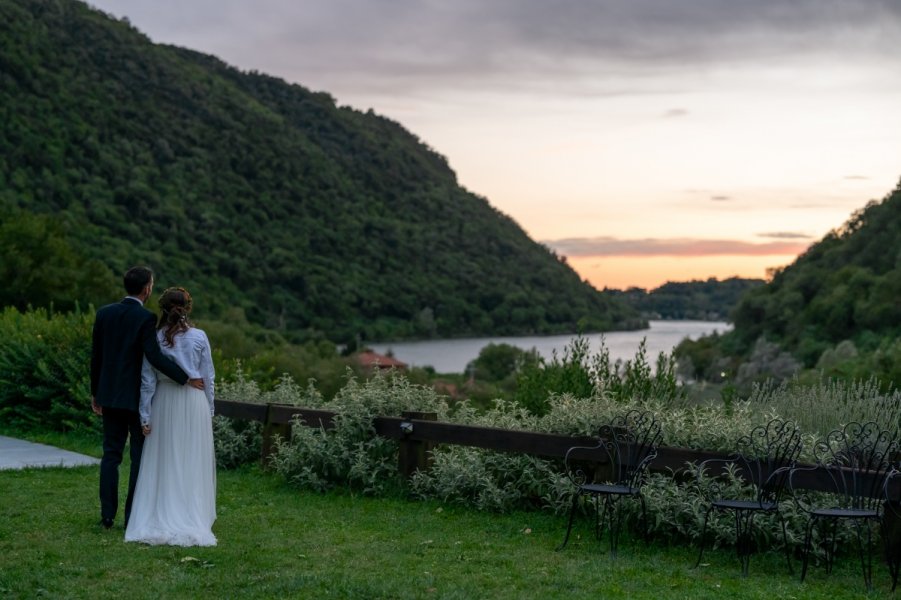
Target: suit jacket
124,334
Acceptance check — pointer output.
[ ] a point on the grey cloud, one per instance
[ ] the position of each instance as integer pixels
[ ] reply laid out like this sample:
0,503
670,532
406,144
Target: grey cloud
720,198
610,246
675,113
857,177
572,46
785,235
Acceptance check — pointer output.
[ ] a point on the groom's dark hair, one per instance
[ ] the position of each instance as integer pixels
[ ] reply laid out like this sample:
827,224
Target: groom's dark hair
136,278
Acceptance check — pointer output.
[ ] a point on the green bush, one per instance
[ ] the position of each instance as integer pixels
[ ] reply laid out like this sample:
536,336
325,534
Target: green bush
351,454
497,362
818,406
584,375
45,370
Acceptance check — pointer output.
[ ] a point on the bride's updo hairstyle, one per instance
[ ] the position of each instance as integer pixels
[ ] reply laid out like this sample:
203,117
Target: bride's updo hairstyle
175,306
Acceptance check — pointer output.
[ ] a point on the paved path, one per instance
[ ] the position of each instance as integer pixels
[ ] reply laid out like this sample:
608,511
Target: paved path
19,454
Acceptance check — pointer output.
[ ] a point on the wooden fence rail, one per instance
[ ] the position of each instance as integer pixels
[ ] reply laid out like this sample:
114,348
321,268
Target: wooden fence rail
418,433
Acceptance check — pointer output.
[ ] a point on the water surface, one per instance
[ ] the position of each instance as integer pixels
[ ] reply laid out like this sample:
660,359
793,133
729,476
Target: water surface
451,356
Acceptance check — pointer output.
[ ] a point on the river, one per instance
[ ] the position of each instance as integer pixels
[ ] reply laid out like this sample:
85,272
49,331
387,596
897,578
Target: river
452,356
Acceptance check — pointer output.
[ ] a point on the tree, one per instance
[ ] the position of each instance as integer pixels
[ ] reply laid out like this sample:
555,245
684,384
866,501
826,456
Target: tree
39,266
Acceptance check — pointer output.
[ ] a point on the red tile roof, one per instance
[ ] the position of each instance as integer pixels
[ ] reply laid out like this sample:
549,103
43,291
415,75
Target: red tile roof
372,360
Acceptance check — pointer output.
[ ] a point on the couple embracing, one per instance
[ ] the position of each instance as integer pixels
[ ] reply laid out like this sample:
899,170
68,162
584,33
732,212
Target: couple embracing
152,382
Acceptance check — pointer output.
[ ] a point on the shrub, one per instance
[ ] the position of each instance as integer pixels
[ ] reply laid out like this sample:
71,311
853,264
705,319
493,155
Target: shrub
583,375
350,454
497,362
45,362
823,405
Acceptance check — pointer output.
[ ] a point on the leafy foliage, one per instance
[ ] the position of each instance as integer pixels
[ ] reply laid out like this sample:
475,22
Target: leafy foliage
350,454
710,300
315,220
844,289
497,362
40,267
581,374
44,378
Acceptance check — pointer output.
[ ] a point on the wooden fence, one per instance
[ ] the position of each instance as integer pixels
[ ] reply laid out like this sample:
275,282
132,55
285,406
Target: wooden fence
418,433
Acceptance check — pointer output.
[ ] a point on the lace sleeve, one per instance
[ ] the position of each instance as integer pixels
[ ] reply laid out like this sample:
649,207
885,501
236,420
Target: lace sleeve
148,387
207,372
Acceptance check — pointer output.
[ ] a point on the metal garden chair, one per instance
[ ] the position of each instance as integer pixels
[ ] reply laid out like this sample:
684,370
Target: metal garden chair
853,464
763,459
626,447
891,529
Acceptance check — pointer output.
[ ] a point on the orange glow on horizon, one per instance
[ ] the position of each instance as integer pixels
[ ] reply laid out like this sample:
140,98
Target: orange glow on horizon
650,272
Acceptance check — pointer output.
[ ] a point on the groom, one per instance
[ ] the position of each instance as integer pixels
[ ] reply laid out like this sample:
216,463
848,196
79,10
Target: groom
124,334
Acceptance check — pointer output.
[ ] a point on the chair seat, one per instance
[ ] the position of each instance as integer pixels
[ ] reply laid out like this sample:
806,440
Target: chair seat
845,513
744,505
608,488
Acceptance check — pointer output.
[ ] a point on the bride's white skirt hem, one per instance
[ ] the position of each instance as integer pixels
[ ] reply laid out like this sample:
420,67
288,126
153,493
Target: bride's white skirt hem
175,497
168,538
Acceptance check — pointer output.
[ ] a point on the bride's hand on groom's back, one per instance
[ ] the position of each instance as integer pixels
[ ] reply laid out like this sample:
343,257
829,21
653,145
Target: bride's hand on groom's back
196,383
98,410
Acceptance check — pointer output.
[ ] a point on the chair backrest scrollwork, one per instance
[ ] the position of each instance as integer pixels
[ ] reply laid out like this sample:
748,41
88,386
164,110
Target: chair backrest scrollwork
628,443
631,443
858,459
766,455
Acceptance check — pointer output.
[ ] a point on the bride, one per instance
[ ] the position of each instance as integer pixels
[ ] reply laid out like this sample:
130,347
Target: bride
175,497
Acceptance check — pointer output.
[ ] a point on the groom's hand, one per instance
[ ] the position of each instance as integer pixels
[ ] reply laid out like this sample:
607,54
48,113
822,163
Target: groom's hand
98,410
196,383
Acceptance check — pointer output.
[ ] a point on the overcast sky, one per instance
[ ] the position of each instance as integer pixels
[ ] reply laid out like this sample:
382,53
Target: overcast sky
647,140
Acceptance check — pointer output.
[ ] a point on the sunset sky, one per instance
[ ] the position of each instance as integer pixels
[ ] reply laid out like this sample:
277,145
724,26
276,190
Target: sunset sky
646,140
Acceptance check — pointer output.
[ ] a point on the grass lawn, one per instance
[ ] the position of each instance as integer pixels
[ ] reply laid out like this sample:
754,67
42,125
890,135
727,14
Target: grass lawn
276,541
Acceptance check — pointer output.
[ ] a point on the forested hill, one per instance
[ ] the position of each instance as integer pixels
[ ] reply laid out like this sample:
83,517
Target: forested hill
314,219
845,287
710,300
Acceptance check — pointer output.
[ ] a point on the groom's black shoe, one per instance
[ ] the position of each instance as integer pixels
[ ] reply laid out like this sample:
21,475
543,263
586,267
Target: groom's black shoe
106,523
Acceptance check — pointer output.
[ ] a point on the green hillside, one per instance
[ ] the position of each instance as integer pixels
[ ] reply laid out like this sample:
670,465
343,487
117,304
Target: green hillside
845,287
837,308
710,300
257,194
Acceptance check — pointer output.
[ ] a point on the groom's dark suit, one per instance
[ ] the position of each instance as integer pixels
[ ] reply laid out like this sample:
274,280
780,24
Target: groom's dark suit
124,334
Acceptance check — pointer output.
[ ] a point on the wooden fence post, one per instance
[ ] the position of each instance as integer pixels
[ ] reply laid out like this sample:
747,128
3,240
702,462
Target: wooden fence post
270,432
415,455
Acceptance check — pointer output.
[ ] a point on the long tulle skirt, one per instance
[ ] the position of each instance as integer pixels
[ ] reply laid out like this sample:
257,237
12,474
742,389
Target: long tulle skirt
175,497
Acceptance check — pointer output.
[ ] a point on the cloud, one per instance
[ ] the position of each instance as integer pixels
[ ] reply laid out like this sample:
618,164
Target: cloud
674,113
598,47
610,246
857,177
785,235
720,198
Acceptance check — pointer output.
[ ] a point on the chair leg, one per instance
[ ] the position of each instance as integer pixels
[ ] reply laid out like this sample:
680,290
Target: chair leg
830,546
614,525
703,531
644,519
808,538
894,565
866,560
743,523
569,528
892,553
788,558
890,550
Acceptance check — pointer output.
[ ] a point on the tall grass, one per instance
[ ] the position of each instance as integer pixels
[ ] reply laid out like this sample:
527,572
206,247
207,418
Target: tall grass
825,405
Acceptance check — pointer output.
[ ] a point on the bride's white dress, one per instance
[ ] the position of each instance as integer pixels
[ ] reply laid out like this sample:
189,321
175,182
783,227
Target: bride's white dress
175,497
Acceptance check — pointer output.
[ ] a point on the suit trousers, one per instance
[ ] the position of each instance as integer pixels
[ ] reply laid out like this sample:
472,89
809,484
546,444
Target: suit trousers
118,424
